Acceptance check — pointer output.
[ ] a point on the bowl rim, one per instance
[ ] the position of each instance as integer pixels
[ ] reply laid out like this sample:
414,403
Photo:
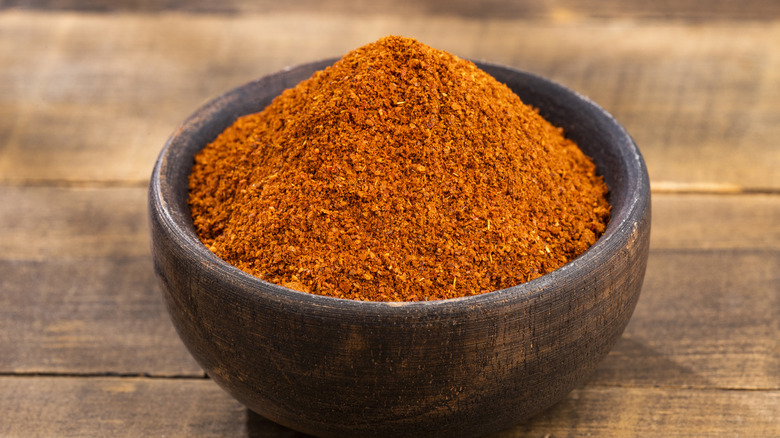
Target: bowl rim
174,222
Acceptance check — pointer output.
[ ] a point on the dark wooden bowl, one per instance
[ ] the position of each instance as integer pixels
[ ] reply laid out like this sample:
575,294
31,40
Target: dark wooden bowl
459,367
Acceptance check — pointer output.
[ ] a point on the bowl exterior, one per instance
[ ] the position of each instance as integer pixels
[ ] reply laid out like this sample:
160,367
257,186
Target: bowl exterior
461,367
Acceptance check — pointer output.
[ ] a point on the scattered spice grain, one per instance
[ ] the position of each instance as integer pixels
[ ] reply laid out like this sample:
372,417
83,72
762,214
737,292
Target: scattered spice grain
400,173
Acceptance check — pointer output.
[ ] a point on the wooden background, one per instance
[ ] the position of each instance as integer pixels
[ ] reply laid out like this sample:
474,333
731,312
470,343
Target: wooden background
90,90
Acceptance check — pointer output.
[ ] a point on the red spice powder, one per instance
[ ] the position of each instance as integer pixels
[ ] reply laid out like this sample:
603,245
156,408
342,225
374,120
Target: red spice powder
400,173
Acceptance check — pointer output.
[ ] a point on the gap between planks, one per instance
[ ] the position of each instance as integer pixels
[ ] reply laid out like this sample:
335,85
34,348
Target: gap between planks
149,376
677,188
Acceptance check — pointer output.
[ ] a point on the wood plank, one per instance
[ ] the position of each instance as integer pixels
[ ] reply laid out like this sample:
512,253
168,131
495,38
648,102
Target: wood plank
118,407
77,108
46,407
41,223
697,221
50,223
81,123
79,293
561,9
636,412
705,319
87,316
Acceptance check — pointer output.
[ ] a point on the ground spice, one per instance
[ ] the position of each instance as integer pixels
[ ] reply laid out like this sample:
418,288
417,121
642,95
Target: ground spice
400,173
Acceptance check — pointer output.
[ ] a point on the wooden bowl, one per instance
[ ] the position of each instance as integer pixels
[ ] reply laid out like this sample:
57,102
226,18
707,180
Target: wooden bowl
459,367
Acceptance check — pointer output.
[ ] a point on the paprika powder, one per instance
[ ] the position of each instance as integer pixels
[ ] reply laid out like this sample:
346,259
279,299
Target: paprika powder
399,173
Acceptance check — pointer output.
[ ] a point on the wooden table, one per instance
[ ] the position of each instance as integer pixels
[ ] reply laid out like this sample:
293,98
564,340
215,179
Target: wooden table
89,93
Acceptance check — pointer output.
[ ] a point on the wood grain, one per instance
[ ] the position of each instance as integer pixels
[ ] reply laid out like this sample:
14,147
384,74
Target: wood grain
496,9
712,221
75,108
51,223
721,332
76,316
623,412
131,407
114,407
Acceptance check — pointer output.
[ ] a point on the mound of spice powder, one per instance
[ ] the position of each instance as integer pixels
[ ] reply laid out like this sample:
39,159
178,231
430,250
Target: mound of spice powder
400,173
